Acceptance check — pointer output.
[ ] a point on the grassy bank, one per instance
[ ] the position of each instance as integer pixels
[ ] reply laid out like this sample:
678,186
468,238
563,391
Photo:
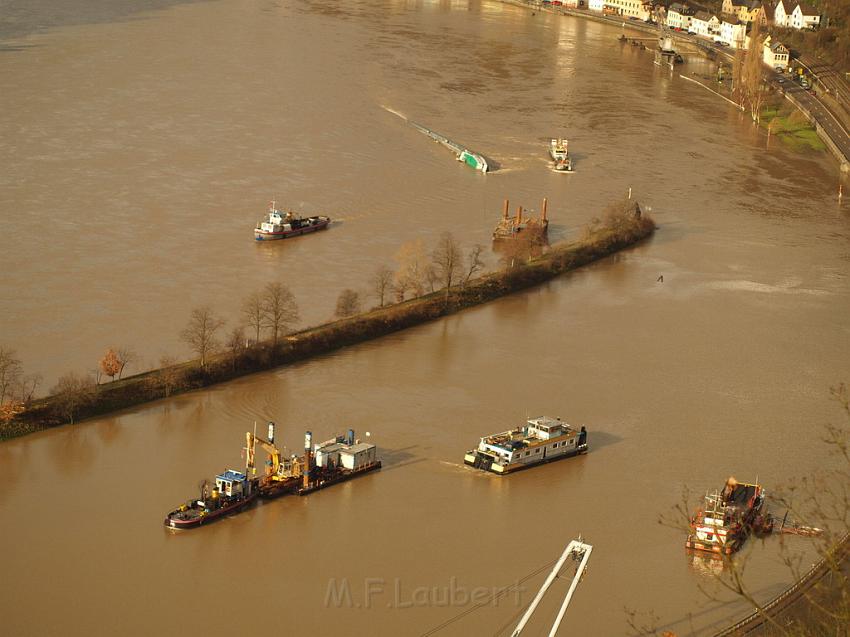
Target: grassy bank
620,231
792,128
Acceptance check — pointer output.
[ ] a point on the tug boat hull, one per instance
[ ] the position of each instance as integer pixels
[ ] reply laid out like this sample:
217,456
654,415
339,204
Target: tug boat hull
191,517
312,224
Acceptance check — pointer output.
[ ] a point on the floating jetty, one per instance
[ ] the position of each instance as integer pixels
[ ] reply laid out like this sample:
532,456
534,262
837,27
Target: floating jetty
467,156
511,227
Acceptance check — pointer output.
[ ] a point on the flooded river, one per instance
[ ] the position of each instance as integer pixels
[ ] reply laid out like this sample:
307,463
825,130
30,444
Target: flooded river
139,149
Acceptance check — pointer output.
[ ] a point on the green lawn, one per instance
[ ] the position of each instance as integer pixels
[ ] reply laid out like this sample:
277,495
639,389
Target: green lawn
792,128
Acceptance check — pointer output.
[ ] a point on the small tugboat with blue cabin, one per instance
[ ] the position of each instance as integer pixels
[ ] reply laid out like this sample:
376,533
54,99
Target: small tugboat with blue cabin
280,225
233,491
539,441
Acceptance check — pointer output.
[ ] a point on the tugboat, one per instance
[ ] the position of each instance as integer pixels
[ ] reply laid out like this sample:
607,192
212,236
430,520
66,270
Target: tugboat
279,225
560,154
540,440
233,491
322,465
727,518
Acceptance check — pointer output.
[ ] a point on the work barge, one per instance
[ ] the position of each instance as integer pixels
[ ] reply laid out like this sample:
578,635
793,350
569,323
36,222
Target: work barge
322,465
522,225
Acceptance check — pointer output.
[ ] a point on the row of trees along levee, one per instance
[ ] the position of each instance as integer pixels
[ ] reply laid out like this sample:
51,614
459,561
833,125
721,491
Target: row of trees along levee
817,604
424,285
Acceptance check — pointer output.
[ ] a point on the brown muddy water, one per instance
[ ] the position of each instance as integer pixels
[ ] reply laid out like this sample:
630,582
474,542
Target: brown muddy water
138,150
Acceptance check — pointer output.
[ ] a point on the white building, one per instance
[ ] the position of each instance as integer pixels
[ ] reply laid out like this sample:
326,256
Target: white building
704,24
734,34
775,55
795,15
640,9
679,16
804,16
596,5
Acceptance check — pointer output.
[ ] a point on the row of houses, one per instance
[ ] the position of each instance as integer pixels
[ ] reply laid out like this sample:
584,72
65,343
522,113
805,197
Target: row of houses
796,15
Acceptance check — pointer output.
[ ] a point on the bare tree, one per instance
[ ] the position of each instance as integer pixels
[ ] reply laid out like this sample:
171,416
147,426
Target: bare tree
110,364
11,370
448,261
254,313
235,344
281,310
126,356
348,303
200,333
73,392
473,263
27,386
412,266
382,283
168,376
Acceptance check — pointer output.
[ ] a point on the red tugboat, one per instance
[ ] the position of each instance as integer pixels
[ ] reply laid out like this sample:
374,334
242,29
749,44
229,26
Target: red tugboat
233,491
727,518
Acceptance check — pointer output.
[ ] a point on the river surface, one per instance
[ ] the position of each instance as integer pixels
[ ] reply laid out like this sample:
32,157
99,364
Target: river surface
142,141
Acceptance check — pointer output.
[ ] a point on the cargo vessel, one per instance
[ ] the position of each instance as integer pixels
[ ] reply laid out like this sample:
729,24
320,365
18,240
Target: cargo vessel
233,491
324,464
560,154
533,228
280,225
539,441
726,519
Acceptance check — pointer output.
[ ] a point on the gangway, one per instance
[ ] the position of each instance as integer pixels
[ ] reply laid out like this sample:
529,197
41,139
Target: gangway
579,551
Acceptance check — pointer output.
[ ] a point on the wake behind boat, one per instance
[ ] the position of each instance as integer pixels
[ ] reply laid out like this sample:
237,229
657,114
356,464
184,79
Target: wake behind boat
280,225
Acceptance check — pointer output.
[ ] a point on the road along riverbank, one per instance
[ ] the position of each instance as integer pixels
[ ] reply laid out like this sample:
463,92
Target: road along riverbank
619,230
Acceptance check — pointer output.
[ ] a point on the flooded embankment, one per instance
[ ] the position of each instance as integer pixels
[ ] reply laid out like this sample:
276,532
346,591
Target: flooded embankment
526,270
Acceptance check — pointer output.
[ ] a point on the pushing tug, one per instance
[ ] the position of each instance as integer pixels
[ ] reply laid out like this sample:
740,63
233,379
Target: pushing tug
322,465
510,228
233,491
540,440
560,154
279,225
727,518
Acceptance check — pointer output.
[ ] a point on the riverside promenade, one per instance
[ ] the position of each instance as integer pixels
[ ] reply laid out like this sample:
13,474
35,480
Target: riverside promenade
828,115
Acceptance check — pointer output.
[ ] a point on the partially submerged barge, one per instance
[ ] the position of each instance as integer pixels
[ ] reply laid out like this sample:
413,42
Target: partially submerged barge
539,441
